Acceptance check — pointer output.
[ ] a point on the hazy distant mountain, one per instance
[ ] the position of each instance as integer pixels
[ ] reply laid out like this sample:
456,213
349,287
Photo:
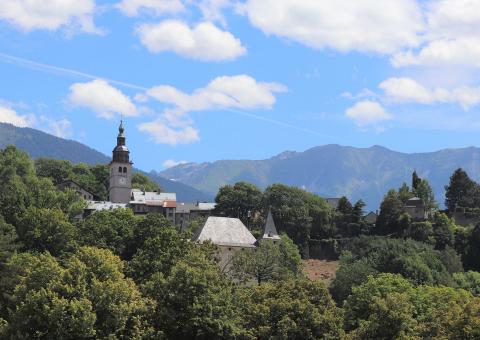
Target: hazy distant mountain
334,170
40,144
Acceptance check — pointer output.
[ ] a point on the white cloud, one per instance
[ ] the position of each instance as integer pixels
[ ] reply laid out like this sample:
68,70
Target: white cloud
345,25
227,92
367,112
408,90
51,15
452,35
170,163
212,9
203,42
8,115
241,91
164,134
156,7
463,51
102,98
58,127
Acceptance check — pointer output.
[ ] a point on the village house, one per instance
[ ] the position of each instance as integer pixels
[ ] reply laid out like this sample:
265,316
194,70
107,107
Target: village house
371,218
415,207
186,212
230,235
82,192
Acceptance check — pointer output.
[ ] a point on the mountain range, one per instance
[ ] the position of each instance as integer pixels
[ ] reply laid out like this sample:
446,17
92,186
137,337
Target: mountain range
40,144
334,171
329,170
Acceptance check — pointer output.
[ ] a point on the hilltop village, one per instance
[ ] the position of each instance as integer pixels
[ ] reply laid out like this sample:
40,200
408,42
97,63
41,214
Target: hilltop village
227,233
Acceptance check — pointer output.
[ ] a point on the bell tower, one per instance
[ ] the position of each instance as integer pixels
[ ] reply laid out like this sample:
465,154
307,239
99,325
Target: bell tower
120,189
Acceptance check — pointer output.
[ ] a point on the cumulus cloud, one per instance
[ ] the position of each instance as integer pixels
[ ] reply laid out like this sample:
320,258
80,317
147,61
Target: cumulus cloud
451,37
408,90
463,51
367,112
241,91
156,7
10,116
204,41
227,92
29,15
162,133
170,163
367,25
102,98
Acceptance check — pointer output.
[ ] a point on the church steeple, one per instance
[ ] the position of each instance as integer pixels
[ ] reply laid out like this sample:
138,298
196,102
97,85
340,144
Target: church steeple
120,189
120,153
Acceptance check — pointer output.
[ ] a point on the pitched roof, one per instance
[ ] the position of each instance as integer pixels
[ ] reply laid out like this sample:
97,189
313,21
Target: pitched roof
225,231
151,197
188,207
104,205
270,231
415,202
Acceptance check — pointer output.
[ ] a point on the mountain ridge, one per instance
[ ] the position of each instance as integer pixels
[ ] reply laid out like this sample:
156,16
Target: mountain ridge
334,170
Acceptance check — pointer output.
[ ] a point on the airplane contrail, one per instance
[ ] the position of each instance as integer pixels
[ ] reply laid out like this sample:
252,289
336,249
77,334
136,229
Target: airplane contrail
46,67
22,62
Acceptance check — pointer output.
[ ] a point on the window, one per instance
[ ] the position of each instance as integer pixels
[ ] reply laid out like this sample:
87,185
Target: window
124,169
120,169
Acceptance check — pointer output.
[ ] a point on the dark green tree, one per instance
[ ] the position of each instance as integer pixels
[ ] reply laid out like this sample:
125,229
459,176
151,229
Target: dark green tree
111,229
147,227
159,254
195,301
404,193
415,180
292,210
268,262
85,297
41,229
460,192
242,200
295,309
391,209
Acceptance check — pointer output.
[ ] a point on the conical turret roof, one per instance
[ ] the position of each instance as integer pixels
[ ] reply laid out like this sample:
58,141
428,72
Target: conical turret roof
270,231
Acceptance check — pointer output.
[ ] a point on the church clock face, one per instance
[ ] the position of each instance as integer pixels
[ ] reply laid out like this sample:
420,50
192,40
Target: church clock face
122,181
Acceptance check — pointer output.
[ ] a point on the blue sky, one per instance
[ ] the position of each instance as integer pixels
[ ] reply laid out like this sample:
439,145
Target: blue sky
218,79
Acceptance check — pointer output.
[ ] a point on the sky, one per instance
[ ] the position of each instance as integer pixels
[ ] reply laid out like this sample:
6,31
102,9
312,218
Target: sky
205,80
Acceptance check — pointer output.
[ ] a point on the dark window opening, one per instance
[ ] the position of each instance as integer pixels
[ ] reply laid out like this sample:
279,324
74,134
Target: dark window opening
124,169
120,169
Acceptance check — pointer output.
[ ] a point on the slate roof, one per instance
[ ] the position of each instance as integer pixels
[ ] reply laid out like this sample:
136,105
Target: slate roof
151,197
104,205
187,207
225,231
270,231
415,202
